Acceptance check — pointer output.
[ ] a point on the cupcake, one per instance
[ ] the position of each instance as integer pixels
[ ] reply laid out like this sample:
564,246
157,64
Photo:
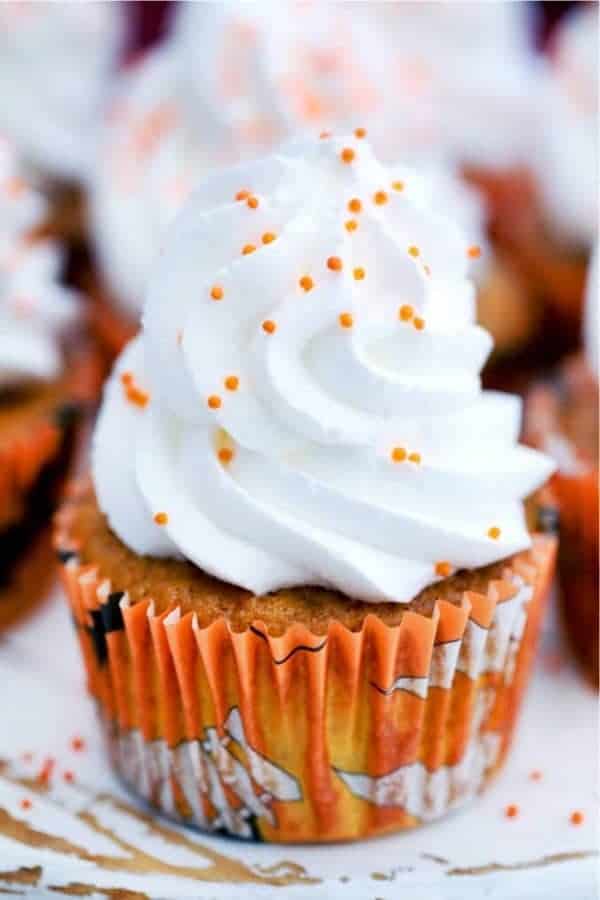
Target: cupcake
553,244
40,391
303,581
55,61
562,418
234,80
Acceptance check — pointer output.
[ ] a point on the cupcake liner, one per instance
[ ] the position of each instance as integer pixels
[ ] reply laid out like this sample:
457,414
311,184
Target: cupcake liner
303,736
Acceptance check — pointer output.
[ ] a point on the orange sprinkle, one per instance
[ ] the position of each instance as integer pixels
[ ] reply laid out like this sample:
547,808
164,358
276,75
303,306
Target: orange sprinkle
577,817
334,263
347,155
494,532
69,776
443,569
405,312
232,382
360,132
413,251
414,458
359,273
346,320
248,248
419,323
351,225
161,518
268,237
324,135
242,195
45,773
225,454
214,401
511,811
397,185
474,252
138,397
535,775
252,202
127,379
380,197
398,454
217,292
269,326
355,205
77,744
306,283
25,803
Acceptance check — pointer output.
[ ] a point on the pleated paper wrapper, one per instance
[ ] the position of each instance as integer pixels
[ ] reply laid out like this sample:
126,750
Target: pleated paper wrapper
309,737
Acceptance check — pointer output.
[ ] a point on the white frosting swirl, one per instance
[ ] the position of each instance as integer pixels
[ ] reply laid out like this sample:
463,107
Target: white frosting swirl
35,309
363,450
55,63
566,156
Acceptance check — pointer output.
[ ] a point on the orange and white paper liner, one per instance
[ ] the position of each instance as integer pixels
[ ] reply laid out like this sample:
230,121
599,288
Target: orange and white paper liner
309,737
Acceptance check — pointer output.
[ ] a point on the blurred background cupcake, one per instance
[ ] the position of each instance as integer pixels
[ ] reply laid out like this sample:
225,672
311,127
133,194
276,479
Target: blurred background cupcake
552,244
45,376
562,419
56,63
232,81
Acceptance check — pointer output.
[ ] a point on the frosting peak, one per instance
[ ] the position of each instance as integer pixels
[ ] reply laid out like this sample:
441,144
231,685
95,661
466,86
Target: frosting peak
312,410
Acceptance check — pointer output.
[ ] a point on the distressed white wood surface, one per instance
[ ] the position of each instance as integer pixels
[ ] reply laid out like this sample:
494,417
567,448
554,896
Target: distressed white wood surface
91,833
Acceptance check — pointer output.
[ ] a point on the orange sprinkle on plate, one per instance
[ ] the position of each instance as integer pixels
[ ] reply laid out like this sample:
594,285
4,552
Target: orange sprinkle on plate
397,186
269,326
359,273
348,155
577,817
232,382
214,401
160,518
494,532
225,454
217,292
398,454
414,458
511,811
413,250
335,264
351,225
405,313
474,252
252,202
346,320
242,195
360,133
354,205
306,283
443,569
419,323
380,198
268,237
248,248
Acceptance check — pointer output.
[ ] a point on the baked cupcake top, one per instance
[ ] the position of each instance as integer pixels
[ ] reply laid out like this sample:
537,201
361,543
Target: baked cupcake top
35,309
55,62
303,404
566,154
592,302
